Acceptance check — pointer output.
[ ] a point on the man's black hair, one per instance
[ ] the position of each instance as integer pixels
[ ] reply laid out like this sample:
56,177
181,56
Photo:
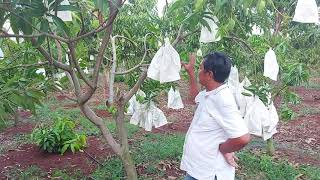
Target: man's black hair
219,64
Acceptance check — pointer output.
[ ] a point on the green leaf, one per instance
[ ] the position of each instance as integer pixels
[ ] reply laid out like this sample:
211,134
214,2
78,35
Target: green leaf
246,94
101,4
205,23
230,24
199,4
261,6
44,27
14,23
72,148
61,25
176,5
35,93
64,148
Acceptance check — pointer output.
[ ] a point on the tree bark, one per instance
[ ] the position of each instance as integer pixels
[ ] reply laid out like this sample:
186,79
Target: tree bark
270,147
87,111
16,118
113,69
59,48
129,165
123,134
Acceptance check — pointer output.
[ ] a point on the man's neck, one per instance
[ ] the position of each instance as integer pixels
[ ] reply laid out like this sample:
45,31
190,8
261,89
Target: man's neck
213,85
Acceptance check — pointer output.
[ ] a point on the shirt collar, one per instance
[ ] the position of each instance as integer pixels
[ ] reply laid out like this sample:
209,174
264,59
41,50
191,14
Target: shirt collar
215,91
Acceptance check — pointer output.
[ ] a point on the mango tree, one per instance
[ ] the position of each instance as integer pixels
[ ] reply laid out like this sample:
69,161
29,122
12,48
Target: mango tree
38,23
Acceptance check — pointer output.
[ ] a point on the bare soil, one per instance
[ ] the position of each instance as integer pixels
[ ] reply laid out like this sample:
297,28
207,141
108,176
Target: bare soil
28,154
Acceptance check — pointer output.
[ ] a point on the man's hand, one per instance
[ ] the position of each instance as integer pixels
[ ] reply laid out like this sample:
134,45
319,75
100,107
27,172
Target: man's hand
234,144
190,66
194,89
231,159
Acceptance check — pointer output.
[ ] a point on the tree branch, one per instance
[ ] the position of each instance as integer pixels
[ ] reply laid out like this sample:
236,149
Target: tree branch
24,66
135,88
242,41
107,23
141,62
77,66
182,36
49,58
77,87
103,46
104,130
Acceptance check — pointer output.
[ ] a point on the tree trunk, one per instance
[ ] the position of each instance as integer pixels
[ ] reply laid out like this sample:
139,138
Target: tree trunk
123,134
270,147
129,165
59,50
89,113
16,117
70,79
113,70
106,81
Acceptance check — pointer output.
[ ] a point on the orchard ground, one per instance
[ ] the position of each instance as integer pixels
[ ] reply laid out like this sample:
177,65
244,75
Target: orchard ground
157,154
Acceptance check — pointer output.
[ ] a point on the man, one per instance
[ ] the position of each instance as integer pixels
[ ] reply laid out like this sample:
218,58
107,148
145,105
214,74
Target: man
217,129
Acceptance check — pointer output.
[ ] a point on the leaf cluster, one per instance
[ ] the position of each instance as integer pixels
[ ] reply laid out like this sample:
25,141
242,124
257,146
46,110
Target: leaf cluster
59,137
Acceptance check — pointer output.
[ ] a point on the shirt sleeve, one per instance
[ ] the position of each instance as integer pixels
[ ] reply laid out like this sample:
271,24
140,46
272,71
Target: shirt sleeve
229,118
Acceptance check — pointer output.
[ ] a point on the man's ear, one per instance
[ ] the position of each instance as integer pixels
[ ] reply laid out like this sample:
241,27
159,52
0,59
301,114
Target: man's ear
211,74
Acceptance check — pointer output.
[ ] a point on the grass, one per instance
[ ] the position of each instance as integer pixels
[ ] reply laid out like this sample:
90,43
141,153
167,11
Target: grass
112,169
33,172
312,84
156,147
36,173
309,111
63,174
6,123
149,151
264,167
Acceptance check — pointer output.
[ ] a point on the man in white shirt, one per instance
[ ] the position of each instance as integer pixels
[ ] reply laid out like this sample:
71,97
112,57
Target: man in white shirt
217,129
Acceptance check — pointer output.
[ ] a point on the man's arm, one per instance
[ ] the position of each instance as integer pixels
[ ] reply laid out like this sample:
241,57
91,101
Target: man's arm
193,89
234,144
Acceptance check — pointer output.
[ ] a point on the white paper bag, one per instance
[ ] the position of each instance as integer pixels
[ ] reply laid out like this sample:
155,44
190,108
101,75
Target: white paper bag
207,35
133,103
147,117
244,101
269,127
256,114
165,65
261,120
174,99
65,15
41,71
199,53
233,83
306,12
1,54
271,67
233,80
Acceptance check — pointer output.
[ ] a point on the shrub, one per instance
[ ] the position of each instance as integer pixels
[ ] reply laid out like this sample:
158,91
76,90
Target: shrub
59,138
